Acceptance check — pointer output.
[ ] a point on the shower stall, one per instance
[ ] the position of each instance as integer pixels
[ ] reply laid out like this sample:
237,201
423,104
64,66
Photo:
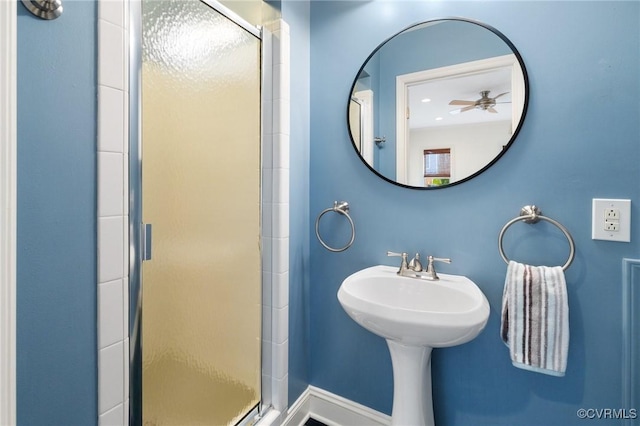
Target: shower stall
196,297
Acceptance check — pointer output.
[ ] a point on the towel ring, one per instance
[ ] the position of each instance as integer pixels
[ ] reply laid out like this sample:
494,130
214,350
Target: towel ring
532,214
341,207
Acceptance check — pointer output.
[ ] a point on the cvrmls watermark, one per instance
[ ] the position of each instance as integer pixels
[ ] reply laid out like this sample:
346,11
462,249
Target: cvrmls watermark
607,413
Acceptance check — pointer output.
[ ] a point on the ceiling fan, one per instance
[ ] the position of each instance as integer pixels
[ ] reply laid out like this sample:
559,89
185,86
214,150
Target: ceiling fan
485,103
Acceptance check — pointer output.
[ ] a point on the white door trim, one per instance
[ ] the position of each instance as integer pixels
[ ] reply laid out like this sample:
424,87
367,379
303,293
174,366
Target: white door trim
365,99
8,145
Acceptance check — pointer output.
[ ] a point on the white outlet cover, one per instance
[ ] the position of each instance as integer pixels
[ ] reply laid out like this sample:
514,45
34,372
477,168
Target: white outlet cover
598,231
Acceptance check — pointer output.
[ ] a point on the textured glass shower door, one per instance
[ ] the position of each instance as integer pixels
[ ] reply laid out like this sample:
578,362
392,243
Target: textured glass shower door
201,309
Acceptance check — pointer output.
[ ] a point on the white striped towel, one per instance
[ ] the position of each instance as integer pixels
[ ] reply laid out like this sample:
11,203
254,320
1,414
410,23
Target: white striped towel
535,318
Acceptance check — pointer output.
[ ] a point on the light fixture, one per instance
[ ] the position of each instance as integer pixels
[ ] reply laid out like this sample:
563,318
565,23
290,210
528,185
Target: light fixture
425,100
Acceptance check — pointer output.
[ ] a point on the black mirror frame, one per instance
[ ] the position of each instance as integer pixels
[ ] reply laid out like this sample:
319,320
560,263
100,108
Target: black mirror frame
506,147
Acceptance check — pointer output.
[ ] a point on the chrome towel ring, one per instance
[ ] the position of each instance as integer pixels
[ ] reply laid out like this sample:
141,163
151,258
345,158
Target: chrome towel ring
341,207
532,214
44,9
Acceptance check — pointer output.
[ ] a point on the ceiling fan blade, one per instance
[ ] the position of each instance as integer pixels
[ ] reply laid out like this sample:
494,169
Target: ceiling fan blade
459,110
459,102
501,94
492,110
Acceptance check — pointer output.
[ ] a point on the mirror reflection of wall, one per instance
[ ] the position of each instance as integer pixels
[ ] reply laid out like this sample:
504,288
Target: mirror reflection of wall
446,84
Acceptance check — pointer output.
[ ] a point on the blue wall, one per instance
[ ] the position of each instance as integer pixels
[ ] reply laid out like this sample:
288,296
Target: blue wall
580,141
56,275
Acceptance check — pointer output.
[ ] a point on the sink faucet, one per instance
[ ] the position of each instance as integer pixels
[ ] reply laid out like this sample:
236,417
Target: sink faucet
413,269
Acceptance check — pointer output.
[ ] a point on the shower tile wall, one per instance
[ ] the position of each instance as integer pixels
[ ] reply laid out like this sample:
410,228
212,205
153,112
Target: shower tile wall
275,221
113,239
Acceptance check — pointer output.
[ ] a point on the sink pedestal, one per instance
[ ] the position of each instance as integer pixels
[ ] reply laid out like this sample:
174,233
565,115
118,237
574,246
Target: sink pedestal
412,402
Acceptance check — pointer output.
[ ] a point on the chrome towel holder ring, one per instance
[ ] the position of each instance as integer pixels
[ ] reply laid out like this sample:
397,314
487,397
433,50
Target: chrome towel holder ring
341,207
44,9
532,214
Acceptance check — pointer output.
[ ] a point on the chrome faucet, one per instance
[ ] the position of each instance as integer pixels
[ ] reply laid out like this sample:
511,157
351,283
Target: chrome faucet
413,268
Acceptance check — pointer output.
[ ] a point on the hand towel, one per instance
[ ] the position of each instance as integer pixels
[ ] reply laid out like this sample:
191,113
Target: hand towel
535,318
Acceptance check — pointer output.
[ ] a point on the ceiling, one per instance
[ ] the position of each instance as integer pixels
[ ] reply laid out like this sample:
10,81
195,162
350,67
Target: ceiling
436,112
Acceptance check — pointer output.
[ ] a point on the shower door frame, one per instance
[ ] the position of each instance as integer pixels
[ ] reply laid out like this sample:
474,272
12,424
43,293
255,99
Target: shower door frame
264,413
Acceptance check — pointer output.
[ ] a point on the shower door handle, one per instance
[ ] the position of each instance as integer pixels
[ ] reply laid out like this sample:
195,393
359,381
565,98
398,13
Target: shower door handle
146,241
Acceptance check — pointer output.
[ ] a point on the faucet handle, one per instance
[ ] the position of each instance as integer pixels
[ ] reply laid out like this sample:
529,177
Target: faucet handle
403,255
431,271
403,264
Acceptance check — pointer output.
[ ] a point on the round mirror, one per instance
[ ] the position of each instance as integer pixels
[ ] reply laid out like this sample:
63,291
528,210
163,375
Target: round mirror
438,103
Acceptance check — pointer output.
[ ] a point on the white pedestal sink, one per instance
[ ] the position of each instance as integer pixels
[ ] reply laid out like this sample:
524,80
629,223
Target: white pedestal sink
414,315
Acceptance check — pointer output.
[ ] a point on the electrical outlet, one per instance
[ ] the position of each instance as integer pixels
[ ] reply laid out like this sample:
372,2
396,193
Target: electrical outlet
611,220
611,213
613,226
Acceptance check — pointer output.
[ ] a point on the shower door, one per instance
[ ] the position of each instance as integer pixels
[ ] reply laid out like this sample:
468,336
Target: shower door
201,297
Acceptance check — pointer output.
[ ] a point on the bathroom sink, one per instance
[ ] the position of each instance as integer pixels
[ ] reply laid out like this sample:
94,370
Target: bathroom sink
414,315
413,311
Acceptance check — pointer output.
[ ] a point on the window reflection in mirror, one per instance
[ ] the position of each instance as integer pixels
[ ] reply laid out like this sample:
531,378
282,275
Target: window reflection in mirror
437,166
448,83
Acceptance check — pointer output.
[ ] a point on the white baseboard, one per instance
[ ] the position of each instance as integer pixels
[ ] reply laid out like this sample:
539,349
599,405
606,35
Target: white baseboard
272,417
332,410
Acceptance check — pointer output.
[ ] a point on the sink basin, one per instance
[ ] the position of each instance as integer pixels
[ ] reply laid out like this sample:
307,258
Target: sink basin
414,315
447,312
